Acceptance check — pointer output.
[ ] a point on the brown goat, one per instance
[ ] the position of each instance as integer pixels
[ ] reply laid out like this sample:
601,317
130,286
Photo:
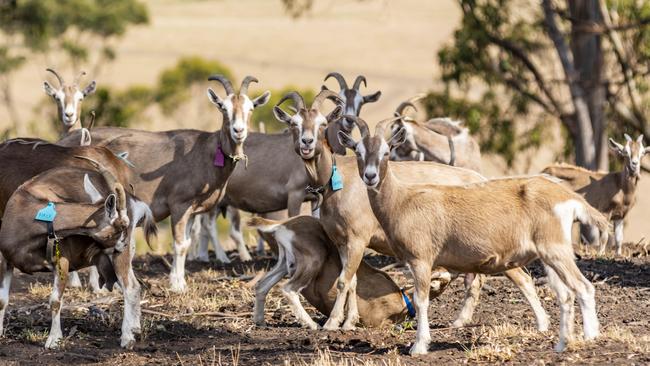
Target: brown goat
613,194
486,227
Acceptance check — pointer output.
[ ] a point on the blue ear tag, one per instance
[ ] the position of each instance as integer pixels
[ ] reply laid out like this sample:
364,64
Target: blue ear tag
337,179
46,214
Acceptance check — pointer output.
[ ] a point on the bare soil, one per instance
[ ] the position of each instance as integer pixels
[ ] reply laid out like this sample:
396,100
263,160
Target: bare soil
211,323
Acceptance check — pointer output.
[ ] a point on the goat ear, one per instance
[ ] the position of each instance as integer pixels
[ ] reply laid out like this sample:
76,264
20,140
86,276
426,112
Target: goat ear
91,191
281,115
262,99
49,89
615,146
346,140
214,98
372,97
89,89
335,114
86,139
110,206
397,138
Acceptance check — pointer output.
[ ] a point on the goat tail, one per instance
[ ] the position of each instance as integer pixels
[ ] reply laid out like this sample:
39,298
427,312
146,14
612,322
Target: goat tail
263,225
595,218
149,227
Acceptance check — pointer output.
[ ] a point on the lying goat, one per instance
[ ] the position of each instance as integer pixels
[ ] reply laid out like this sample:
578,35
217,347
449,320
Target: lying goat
613,194
95,218
312,262
486,227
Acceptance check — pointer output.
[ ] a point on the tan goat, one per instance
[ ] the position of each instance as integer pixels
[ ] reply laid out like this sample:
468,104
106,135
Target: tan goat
486,227
312,262
613,194
347,217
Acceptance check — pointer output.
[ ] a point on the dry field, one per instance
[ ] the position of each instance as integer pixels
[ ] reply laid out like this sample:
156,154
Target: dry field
212,325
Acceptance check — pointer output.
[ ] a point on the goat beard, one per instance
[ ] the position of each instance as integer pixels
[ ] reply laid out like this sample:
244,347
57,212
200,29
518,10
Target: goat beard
312,170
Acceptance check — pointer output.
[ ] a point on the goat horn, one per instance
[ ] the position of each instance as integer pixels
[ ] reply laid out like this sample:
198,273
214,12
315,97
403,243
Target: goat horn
111,181
338,78
78,78
363,126
357,82
224,81
58,77
380,129
325,94
403,106
298,102
244,84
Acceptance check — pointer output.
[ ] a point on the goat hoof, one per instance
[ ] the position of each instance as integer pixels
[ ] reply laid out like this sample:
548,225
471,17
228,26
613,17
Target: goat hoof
178,285
52,342
349,325
331,325
127,343
458,323
560,347
419,349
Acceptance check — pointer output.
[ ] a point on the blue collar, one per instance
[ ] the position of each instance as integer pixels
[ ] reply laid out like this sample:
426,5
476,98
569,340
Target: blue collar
409,304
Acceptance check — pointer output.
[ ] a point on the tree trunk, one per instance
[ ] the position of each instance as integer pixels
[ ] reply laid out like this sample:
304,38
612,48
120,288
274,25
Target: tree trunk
584,138
588,62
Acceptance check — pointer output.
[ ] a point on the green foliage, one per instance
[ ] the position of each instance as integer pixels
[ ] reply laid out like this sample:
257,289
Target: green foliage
265,112
174,84
119,108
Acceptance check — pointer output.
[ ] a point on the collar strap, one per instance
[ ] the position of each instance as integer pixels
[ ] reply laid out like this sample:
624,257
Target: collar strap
52,250
220,158
409,304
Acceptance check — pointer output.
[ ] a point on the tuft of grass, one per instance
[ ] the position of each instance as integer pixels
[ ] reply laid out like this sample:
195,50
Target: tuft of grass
633,342
325,358
33,336
40,290
499,343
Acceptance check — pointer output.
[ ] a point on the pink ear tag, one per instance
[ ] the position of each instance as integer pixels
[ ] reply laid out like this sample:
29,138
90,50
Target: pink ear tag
219,157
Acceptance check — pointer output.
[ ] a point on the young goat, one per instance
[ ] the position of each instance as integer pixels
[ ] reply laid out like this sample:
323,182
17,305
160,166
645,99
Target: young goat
312,262
68,99
613,194
486,227
347,217
93,226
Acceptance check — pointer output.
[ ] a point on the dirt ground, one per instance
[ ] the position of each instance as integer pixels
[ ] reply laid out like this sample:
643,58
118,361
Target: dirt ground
211,324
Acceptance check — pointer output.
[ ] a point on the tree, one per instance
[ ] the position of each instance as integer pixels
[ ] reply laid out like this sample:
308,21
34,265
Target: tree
579,62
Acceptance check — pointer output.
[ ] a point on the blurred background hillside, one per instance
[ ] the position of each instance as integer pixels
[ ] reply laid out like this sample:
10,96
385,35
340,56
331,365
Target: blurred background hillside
151,59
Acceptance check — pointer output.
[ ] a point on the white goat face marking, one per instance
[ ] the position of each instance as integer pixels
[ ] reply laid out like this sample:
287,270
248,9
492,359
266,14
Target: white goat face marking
360,150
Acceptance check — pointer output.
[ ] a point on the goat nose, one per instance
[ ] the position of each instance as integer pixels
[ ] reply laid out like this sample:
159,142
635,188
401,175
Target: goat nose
370,176
238,129
307,140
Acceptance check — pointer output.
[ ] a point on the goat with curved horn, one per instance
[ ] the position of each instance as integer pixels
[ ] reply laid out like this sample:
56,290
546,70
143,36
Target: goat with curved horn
326,94
298,101
357,83
342,83
58,77
244,84
227,85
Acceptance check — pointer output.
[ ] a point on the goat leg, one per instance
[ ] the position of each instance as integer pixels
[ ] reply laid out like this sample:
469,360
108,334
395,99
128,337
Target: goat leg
6,272
131,291
56,302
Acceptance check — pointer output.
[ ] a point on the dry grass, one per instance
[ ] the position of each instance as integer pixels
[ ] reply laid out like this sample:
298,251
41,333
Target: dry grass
499,343
40,290
325,358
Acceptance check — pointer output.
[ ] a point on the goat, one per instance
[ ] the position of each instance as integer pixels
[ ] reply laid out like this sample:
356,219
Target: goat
94,222
352,101
312,262
347,217
68,99
485,227
180,173
440,139
613,194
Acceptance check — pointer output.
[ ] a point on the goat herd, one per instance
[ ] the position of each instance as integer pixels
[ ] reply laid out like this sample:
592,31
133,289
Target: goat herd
76,203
